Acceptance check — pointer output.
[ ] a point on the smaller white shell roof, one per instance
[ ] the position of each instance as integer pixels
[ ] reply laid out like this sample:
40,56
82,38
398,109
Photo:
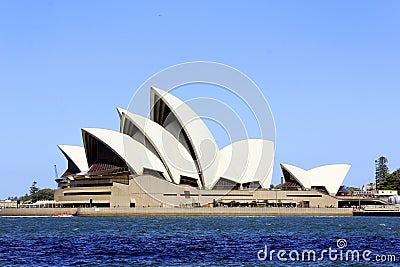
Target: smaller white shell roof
132,152
172,153
329,176
299,174
248,160
76,154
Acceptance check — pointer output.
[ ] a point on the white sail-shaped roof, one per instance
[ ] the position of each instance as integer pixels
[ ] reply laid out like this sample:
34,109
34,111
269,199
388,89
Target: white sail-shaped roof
183,123
176,159
247,161
299,174
329,176
134,154
75,154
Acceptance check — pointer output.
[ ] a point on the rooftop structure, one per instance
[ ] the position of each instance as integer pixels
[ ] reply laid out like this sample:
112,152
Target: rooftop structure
328,178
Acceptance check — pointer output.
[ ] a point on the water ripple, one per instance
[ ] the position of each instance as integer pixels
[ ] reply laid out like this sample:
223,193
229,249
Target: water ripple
186,241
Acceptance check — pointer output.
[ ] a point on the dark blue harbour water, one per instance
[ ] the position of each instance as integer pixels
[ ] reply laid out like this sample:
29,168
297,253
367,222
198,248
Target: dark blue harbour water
194,241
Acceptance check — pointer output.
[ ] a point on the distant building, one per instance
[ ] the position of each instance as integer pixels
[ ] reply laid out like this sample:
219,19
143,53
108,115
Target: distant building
369,187
387,193
344,191
8,203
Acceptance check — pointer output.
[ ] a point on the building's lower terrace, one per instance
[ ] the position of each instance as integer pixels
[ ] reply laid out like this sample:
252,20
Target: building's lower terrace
151,191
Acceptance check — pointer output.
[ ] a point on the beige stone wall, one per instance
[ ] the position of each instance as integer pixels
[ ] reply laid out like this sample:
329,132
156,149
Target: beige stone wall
150,191
36,211
178,211
315,198
143,199
214,212
120,195
59,195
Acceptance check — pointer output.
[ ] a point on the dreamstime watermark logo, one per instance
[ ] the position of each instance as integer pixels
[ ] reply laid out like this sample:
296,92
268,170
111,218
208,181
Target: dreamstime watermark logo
341,243
338,253
236,105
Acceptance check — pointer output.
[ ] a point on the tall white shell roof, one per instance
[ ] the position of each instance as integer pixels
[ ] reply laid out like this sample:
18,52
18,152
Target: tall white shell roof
329,176
247,161
75,154
136,156
172,153
182,122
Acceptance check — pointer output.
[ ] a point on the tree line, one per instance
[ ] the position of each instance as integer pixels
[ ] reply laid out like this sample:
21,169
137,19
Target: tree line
35,194
383,178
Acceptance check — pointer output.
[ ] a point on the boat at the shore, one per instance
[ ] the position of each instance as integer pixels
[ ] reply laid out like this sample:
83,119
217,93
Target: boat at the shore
63,215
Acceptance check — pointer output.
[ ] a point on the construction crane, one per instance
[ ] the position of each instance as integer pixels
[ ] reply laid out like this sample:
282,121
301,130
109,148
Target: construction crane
55,170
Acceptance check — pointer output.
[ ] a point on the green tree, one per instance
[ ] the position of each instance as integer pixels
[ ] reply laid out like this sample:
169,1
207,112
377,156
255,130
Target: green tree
25,198
37,194
33,189
381,170
43,194
391,181
278,186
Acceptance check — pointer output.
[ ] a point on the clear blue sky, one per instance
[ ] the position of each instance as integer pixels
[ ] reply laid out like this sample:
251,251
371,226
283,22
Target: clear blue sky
329,69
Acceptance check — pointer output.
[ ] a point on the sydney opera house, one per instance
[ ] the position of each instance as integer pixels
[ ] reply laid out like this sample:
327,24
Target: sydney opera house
172,160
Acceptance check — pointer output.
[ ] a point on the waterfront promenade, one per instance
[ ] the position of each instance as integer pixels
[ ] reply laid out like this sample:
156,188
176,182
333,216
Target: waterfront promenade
179,211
